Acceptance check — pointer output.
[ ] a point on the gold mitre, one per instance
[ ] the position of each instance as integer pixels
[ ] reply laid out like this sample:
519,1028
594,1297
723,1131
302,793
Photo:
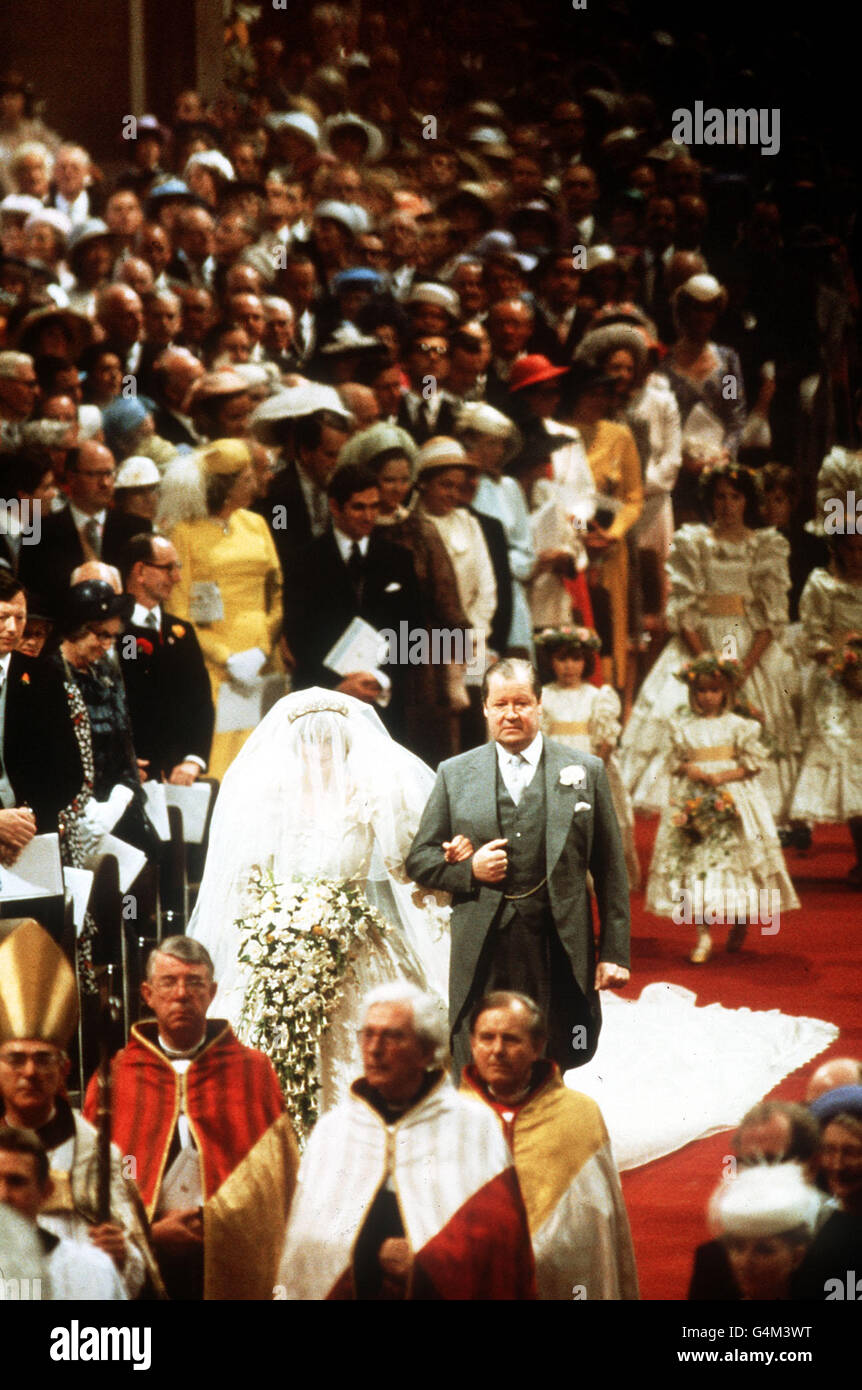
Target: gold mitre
38,993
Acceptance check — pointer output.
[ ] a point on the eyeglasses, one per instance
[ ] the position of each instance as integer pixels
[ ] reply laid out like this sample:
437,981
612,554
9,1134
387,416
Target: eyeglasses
104,636
431,350
104,473
42,1061
366,1036
171,565
170,985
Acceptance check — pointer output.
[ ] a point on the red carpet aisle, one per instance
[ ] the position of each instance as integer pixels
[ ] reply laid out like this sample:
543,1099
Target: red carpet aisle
812,967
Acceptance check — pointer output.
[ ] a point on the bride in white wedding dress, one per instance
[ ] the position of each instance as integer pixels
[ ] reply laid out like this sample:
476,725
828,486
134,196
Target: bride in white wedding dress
321,793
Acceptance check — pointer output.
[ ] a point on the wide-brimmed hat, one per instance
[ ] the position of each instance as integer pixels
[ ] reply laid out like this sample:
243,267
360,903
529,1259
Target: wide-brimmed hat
214,160
381,438
597,345
478,417
298,121
94,229
440,452
531,370
270,421
349,215
223,382
375,143
78,328
440,296
347,339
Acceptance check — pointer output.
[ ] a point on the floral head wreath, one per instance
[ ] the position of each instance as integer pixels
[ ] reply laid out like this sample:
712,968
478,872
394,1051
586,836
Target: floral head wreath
726,468
579,638
728,668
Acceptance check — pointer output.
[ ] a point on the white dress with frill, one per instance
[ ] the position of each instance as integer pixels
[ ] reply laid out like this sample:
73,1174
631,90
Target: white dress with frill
584,719
722,590
719,873
829,788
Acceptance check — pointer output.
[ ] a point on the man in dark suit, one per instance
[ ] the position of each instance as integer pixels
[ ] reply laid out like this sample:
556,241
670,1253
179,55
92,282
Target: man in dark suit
174,374
426,410
40,766
167,686
352,571
85,530
511,830
295,506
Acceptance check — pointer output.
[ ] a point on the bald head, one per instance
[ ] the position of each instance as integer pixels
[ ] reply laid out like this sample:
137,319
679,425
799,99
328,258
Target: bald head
120,313
840,1071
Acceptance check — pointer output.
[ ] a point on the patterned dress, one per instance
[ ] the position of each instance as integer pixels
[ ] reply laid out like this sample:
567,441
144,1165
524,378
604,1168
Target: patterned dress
726,591
741,859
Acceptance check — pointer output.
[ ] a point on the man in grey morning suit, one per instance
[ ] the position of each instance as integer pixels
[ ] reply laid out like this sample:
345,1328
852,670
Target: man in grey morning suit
511,830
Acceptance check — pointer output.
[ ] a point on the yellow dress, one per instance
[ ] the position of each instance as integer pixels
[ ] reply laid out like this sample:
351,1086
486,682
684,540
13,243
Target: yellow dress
239,556
615,466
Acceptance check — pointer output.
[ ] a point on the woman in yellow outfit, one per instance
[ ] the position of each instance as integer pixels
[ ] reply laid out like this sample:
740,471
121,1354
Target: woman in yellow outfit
615,465
230,586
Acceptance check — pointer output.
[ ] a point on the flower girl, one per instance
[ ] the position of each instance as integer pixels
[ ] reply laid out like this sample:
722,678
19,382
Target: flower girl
717,857
585,716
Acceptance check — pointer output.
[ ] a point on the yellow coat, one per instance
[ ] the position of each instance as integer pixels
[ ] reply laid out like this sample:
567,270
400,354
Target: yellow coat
240,556
616,469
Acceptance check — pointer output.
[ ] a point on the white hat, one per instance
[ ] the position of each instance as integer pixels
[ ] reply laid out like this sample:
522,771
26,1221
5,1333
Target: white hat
292,403
21,203
704,288
765,1200
600,255
440,452
137,471
210,159
350,215
89,422
439,295
53,217
299,121
376,144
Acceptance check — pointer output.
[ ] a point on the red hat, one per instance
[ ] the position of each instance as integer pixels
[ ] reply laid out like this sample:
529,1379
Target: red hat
530,370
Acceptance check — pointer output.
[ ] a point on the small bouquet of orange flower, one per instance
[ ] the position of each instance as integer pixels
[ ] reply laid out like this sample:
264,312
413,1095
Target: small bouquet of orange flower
705,816
846,665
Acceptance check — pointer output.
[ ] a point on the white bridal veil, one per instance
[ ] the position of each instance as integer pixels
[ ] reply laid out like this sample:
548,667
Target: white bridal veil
320,790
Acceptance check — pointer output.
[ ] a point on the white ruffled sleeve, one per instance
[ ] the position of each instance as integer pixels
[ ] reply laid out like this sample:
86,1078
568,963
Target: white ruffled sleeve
770,582
605,724
815,611
750,751
685,569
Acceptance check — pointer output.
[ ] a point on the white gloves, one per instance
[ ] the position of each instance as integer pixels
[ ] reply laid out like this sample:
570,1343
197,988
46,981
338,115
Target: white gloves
243,668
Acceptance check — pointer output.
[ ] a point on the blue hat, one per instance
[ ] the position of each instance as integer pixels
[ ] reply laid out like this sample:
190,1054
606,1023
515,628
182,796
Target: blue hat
357,277
844,1100
121,418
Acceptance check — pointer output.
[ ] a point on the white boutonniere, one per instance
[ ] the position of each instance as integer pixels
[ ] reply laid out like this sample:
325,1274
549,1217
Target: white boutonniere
573,776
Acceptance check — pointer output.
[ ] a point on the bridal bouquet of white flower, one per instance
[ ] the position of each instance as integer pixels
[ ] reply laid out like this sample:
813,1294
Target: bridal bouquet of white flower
298,940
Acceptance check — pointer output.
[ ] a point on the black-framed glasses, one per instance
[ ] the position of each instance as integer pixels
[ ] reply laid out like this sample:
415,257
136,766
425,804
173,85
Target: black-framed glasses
171,565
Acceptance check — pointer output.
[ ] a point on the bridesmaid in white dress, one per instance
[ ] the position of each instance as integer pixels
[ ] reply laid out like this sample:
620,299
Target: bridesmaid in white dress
729,586
731,871
586,717
830,781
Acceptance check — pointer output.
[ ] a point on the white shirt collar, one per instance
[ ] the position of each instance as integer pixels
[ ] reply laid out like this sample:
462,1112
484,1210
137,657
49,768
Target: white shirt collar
82,519
140,615
531,754
4,665
345,544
